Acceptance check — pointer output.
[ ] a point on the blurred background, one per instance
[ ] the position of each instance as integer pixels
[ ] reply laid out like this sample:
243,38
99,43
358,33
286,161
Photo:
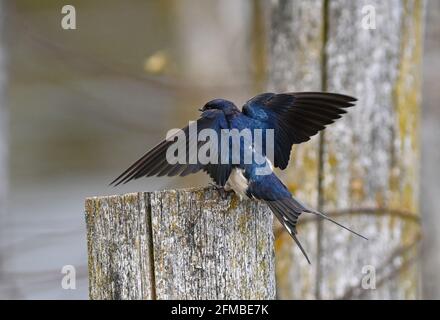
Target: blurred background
78,106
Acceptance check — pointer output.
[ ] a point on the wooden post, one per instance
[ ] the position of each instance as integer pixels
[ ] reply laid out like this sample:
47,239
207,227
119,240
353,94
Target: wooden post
364,168
179,244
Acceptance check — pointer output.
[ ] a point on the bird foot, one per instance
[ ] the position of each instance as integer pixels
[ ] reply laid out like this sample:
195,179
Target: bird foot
222,192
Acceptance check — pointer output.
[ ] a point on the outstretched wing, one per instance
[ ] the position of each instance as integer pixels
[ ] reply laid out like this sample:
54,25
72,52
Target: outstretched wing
295,117
155,163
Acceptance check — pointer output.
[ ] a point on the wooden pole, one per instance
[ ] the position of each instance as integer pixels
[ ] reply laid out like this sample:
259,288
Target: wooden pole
364,168
179,244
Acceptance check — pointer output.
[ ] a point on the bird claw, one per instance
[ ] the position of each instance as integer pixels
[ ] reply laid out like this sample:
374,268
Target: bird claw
221,191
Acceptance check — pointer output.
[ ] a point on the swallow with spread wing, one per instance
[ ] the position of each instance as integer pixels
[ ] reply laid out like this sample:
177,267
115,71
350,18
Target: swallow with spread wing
293,118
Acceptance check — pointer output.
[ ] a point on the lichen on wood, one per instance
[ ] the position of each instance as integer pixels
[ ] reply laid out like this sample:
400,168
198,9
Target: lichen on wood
366,146
179,244
370,157
118,239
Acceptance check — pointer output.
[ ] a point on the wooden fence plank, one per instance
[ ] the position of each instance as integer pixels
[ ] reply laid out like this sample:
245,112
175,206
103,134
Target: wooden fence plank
371,156
369,159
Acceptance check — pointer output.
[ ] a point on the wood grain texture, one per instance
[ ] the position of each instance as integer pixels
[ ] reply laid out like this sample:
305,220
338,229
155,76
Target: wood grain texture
372,155
119,244
369,158
179,244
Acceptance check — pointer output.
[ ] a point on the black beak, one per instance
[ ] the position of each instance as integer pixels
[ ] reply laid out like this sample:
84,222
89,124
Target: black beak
201,109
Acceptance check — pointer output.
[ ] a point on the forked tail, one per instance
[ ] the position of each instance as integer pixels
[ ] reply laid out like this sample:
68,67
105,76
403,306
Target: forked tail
288,210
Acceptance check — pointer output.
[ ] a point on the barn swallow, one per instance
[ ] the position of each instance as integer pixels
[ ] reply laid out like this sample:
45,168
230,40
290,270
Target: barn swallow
293,118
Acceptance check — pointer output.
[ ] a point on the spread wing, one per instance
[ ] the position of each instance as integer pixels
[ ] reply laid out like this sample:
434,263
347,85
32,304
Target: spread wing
295,117
155,163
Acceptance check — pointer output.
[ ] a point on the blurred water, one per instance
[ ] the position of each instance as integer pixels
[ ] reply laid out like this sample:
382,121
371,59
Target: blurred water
84,106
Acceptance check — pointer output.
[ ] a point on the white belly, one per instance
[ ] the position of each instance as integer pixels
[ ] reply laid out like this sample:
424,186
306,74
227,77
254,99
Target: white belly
237,182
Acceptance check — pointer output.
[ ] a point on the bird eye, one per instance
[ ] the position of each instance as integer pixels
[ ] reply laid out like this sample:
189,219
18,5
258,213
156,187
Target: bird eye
205,107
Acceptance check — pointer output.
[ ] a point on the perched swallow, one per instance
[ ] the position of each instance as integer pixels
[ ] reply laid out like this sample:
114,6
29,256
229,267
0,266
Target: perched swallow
293,118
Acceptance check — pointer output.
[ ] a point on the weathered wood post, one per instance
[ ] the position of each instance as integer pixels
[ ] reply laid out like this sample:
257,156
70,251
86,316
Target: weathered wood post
364,168
179,244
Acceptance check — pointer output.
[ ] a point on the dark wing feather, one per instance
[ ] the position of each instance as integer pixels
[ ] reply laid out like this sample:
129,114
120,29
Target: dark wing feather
154,162
295,117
